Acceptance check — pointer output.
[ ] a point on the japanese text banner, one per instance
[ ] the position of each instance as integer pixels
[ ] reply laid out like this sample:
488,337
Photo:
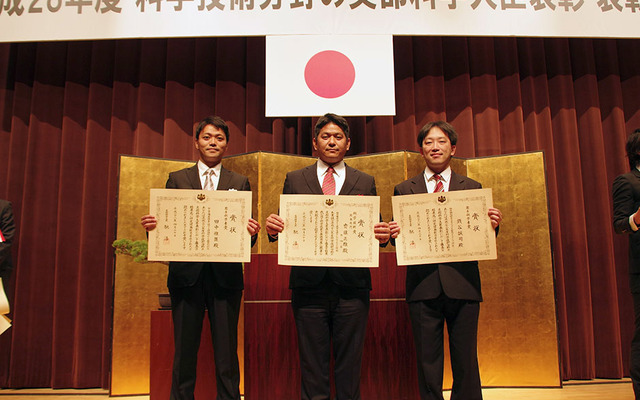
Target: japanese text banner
43,20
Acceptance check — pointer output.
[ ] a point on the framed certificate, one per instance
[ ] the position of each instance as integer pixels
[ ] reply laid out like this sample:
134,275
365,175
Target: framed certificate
200,225
329,231
444,227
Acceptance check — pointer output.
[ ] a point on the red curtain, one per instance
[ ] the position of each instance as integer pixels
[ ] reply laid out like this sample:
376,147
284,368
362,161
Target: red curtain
68,109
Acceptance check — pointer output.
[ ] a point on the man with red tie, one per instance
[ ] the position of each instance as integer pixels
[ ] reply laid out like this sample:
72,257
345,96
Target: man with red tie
445,292
330,305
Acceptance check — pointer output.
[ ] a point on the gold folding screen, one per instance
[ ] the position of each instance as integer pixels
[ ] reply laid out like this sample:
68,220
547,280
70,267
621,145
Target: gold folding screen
518,340
136,286
517,335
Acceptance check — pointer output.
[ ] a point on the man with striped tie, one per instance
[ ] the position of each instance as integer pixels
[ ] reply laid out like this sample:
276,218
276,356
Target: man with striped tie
196,287
446,292
330,305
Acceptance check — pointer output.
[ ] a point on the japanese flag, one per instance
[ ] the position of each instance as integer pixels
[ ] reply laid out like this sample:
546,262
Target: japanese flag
311,75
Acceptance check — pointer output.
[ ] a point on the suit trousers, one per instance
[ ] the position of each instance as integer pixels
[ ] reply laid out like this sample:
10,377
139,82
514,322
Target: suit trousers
634,357
188,305
427,322
326,316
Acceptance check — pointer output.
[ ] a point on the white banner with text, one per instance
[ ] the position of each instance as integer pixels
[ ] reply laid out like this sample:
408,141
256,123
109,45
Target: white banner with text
44,20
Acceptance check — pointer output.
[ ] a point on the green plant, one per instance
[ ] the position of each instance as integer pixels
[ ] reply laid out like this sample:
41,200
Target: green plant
136,249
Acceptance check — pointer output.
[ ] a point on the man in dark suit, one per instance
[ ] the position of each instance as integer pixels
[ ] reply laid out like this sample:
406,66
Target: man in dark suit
626,219
447,291
7,231
330,305
196,286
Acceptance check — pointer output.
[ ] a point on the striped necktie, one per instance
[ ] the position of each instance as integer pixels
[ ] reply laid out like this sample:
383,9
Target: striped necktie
329,183
208,182
439,184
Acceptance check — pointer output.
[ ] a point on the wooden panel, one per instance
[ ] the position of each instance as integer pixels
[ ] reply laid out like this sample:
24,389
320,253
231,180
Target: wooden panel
265,280
272,369
161,359
271,347
389,361
388,281
271,352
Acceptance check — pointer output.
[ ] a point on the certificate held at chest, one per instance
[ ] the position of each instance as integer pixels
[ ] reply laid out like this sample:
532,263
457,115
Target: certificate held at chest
200,225
328,231
444,227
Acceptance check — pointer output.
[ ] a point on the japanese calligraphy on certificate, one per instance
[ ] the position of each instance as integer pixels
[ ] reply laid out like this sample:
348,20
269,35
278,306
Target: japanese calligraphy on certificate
444,227
200,225
329,231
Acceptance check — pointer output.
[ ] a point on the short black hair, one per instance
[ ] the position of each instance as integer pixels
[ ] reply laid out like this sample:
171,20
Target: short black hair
215,121
331,118
633,148
446,127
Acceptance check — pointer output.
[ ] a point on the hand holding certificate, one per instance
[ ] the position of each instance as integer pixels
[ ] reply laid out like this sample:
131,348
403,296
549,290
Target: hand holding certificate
199,225
335,231
5,322
444,227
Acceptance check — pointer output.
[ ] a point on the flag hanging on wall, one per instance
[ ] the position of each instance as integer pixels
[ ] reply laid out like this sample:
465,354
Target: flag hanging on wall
311,75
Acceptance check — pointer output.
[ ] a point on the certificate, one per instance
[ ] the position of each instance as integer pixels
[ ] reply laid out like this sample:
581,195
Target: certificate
329,231
200,225
444,227
5,322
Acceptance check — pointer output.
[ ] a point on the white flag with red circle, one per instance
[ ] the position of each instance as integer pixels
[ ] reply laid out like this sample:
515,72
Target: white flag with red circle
311,75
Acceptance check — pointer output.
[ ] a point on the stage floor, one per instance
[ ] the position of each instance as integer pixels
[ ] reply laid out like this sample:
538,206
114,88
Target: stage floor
572,390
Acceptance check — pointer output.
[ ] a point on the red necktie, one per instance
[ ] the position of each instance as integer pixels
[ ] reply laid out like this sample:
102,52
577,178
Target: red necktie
439,184
329,184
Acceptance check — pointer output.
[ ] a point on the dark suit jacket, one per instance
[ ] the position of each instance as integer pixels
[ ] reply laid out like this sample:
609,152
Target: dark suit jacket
227,275
305,181
458,280
8,228
626,199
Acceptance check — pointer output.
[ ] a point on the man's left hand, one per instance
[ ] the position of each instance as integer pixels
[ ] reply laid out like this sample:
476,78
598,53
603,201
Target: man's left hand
395,229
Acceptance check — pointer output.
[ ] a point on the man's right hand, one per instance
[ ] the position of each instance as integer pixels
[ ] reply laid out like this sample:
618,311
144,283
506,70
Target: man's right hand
149,222
274,225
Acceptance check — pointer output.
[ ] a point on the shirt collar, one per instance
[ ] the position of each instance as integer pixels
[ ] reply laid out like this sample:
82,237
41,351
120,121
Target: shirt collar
446,174
202,168
339,168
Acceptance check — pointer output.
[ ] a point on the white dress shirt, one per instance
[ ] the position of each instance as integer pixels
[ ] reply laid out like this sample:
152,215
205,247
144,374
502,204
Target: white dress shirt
202,170
339,173
431,182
